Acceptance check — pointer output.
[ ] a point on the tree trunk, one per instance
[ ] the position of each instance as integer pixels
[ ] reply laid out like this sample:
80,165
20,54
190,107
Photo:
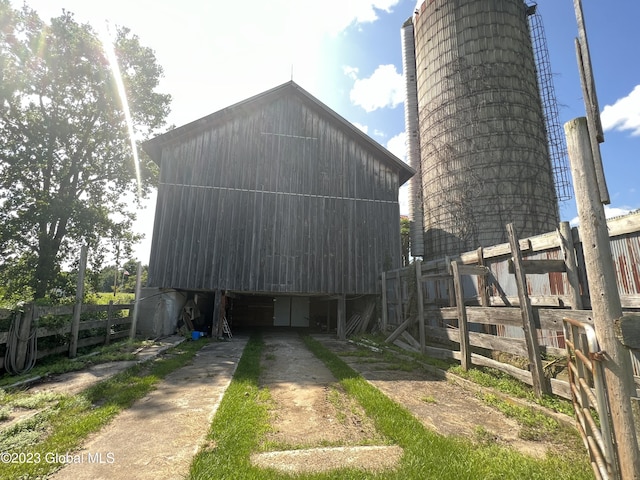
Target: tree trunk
48,247
45,268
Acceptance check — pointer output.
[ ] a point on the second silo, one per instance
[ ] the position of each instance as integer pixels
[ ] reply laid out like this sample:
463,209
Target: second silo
483,153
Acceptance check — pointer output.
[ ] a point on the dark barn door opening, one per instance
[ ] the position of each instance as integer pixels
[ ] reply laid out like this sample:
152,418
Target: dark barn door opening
250,311
263,311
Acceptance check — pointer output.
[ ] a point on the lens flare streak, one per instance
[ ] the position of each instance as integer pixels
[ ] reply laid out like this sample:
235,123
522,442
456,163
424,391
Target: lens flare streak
122,93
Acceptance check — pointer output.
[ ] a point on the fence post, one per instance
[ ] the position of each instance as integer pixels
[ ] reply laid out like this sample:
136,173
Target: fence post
463,327
482,281
77,308
451,286
528,325
134,319
420,301
385,306
107,338
605,298
399,301
569,253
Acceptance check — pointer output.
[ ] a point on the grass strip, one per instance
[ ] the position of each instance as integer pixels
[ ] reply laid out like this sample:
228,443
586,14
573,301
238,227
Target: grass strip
484,376
241,419
502,382
61,428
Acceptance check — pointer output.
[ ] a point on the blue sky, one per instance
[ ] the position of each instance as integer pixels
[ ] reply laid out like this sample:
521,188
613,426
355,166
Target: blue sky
347,53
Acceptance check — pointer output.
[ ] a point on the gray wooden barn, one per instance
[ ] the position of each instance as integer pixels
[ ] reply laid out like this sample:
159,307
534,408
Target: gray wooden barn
277,203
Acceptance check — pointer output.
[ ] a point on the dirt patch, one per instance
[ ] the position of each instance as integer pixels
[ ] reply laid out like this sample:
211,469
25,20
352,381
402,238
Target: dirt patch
310,409
304,393
445,407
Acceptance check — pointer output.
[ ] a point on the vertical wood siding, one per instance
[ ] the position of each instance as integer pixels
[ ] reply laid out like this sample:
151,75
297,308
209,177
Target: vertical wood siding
280,199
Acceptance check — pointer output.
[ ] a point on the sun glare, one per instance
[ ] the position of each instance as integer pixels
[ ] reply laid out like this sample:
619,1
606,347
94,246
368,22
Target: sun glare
107,45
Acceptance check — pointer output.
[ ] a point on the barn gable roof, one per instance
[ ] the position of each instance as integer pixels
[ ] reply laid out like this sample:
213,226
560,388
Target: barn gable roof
154,146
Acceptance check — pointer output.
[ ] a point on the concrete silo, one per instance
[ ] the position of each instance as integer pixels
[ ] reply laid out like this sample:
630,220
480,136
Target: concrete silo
483,155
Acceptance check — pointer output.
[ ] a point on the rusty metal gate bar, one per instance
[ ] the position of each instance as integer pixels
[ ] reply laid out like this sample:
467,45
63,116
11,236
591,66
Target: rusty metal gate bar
588,392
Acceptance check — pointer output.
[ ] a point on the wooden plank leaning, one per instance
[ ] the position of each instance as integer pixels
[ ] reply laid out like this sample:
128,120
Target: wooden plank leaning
540,384
463,327
398,331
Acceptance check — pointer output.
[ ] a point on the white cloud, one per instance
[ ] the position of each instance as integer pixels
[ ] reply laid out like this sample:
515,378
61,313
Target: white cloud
351,72
403,199
337,15
247,47
359,126
624,114
384,88
609,212
397,146
379,133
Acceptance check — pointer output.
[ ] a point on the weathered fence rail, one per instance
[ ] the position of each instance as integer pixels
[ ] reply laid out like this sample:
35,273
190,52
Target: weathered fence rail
473,308
101,331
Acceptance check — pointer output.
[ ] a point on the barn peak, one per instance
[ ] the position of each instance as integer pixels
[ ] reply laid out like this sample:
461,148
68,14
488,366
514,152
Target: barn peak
290,88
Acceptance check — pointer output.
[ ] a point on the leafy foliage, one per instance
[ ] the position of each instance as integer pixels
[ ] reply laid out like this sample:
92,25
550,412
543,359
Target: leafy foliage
405,240
66,164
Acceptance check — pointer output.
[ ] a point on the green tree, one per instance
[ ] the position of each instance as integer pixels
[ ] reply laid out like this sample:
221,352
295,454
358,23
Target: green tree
405,239
66,164
124,276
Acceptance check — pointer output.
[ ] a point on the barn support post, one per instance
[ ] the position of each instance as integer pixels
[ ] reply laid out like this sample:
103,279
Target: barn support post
342,317
420,301
605,298
569,254
385,306
540,384
216,326
77,308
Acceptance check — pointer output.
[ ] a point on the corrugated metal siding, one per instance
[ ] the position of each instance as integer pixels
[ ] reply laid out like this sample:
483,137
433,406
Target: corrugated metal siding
537,285
279,200
626,255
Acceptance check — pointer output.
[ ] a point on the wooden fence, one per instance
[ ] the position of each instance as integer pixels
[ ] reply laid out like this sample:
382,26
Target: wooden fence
491,304
91,331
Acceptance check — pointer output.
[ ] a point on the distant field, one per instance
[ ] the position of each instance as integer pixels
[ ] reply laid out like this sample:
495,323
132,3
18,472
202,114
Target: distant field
103,298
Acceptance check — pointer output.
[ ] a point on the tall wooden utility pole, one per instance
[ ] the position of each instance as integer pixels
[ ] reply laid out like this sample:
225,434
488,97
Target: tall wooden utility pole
605,298
588,83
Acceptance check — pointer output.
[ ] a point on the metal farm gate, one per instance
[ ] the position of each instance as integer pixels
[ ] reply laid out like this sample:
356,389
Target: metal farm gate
589,396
